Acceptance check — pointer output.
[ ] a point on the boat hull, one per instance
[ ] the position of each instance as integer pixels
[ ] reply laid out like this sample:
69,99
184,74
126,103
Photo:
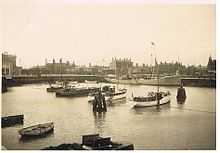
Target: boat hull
37,130
163,101
76,93
53,89
115,98
91,98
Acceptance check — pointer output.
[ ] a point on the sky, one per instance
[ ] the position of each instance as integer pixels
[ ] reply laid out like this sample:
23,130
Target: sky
94,33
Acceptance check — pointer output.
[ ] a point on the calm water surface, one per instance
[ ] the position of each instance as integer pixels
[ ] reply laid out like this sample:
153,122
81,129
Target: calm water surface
173,126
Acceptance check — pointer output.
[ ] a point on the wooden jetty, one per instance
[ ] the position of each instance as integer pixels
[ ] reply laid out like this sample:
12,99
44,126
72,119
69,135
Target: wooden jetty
93,142
12,120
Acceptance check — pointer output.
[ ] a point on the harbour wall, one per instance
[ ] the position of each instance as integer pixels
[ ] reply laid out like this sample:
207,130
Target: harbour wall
19,80
199,82
171,81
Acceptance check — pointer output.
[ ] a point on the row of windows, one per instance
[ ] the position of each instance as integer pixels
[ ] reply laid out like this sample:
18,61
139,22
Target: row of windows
5,71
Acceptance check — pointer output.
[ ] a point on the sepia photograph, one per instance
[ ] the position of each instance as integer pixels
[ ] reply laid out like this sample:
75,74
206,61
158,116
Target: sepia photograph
108,75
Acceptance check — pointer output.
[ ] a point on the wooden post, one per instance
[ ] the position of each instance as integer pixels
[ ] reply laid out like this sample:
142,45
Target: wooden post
104,104
99,104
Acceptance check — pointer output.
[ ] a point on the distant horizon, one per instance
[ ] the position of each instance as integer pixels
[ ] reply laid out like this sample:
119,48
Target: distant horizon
34,31
57,60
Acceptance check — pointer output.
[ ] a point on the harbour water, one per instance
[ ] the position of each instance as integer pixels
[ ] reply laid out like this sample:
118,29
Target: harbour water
173,126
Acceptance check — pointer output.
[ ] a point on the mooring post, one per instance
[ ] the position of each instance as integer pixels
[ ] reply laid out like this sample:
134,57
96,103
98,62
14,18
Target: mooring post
99,104
158,99
95,104
104,103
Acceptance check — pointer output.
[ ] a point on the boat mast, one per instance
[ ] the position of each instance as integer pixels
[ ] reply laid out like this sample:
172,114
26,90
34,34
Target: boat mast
116,75
156,64
157,67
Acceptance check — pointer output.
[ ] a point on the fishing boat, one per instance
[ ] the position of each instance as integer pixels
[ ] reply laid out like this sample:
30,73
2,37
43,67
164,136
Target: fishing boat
93,142
110,93
104,89
37,130
153,98
55,87
118,94
76,91
115,96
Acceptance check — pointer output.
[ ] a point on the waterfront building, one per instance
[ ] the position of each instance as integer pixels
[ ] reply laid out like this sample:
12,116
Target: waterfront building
9,67
211,66
59,67
122,67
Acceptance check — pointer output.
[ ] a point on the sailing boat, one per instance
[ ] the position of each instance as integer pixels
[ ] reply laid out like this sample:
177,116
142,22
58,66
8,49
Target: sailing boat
153,98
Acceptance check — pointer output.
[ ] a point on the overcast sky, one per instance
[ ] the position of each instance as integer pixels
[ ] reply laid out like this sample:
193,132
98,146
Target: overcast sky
35,30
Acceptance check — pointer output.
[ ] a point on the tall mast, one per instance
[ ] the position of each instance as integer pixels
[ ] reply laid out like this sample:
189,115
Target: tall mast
116,75
156,65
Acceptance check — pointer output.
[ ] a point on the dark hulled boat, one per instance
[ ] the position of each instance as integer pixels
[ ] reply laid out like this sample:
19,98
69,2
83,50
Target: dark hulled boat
76,92
12,120
93,142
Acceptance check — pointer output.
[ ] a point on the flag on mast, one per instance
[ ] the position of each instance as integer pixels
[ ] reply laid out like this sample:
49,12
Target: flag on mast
152,43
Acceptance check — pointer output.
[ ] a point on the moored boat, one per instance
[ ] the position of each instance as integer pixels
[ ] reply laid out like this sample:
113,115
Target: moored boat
115,96
55,87
37,130
152,99
104,90
76,92
93,142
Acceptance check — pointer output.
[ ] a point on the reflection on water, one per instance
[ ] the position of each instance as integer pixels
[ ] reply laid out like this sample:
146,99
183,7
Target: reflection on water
32,139
151,110
172,126
99,120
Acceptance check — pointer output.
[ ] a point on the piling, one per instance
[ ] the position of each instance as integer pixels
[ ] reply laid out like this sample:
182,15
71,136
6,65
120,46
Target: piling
99,104
181,94
158,99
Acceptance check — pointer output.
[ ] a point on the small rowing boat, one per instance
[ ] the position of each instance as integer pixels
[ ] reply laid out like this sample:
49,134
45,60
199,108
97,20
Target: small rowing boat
37,130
